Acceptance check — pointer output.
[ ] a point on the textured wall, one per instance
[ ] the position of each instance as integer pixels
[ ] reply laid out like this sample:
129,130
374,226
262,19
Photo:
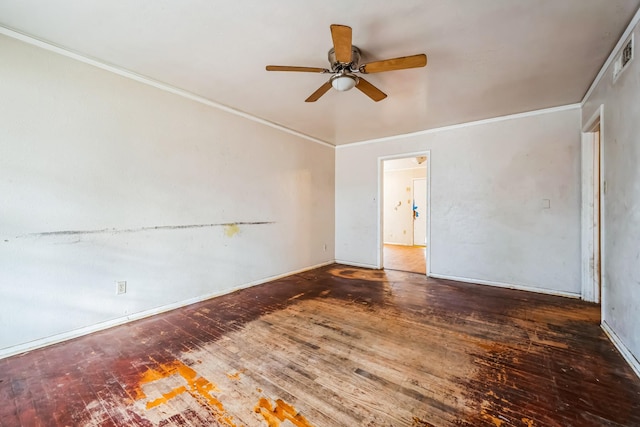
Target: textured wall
621,220
488,183
105,179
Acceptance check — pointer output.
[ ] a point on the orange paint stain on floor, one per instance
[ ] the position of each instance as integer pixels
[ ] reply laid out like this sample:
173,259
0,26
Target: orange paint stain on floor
198,387
236,375
496,421
487,416
281,412
528,422
166,397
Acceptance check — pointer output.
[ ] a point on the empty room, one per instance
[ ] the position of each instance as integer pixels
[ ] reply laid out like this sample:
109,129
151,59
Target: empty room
420,213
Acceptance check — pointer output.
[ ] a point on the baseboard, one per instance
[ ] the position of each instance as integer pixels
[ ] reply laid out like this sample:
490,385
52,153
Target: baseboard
357,264
624,351
396,244
65,336
507,285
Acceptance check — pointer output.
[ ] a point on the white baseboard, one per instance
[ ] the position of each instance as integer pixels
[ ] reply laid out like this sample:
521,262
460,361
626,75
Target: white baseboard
357,264
624,351
507,285
65,336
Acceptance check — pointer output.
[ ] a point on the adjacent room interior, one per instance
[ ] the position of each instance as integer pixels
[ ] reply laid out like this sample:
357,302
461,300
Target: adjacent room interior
426,214
404,213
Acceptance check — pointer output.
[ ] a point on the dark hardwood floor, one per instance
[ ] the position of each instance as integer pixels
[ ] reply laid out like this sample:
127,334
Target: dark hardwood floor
405,258
336,346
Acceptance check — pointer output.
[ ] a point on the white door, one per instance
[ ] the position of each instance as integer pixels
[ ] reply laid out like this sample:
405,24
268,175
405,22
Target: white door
420,212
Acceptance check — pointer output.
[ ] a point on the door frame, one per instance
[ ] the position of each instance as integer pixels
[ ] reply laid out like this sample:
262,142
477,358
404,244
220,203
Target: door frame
413,196
593,193
380,239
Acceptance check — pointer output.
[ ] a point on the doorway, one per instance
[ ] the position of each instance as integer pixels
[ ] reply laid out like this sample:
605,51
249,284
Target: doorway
404,213
593,191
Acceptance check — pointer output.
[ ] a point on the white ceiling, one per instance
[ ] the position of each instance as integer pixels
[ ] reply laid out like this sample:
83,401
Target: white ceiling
486,58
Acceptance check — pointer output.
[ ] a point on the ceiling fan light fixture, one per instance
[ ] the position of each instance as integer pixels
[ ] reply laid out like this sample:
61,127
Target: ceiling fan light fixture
344,59
344,82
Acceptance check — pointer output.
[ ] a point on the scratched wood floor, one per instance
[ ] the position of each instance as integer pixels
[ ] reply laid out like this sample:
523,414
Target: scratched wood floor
336,346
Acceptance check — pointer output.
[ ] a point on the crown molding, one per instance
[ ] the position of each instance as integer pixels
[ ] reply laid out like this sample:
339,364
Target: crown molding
465,125
150,82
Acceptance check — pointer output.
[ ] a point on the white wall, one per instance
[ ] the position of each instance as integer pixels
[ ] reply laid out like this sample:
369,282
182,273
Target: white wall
488,182
82,149
398,204
621,220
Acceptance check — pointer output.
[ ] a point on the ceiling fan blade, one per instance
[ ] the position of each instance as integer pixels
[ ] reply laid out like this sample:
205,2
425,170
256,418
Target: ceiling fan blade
292,68
318,93
370,90
402,63
341,35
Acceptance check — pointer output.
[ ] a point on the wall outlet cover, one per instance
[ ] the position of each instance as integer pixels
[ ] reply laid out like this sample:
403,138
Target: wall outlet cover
121,287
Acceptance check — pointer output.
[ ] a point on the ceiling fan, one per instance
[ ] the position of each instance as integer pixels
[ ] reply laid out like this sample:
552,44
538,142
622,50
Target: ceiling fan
345,64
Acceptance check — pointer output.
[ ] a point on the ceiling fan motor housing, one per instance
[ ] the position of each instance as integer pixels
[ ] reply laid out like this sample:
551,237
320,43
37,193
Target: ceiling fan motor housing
338,66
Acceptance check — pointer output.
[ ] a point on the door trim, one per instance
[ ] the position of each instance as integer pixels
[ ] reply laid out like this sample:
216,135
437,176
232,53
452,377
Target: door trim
592,248
413,196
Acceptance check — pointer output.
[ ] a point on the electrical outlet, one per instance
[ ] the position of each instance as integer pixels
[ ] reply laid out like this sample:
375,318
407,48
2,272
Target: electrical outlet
121,287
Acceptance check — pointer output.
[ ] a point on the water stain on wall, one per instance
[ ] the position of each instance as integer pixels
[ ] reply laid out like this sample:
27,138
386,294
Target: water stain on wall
231,230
